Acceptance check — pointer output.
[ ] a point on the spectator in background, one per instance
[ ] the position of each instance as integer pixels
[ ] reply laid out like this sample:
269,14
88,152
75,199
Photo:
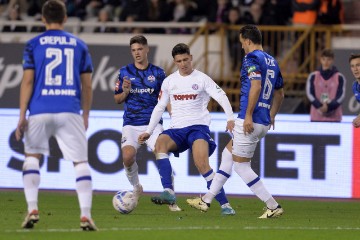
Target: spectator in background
93,7
14,15
34,7
233,37
158,12
325,89
218,11
305,11
136,9
104,18
253,16
38,28
276,12
331,12
114,7
76,8
181,11
354,61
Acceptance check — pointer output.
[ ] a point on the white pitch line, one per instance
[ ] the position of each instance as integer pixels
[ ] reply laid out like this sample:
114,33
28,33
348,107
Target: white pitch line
188,228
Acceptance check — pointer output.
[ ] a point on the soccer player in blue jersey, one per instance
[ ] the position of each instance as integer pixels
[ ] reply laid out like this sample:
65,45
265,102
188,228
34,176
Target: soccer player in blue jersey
188,91
56,85
261,96
354,61
138,87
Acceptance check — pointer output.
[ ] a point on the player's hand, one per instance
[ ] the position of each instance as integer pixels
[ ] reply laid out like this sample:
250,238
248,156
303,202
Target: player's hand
230,126
248,126
324,108
86,120
126,86
272,123
143,137
117,85
21,128
356,122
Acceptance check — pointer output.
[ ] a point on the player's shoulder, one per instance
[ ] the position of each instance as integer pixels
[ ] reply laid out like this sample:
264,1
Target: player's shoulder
156,68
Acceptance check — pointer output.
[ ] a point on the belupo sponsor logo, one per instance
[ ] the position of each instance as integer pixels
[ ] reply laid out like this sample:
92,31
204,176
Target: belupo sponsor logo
142,90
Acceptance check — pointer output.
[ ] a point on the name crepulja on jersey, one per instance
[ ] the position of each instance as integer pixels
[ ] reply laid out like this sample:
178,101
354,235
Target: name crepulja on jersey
58,92
142,90
55,40
185,97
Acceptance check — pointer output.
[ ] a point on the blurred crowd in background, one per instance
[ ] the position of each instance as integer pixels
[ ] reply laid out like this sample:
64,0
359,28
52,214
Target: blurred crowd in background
260,12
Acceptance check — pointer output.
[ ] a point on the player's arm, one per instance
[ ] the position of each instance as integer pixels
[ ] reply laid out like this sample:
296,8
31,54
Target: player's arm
122,89
86,96
220,96
156,115
26,90
340,94
254,93
276,104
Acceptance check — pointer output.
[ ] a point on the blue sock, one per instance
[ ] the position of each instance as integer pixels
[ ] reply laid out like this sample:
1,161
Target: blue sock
221,197
165,172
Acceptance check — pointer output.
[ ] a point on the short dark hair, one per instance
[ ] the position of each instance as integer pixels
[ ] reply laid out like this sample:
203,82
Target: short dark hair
252,33
54,11
353,56
327,53
179,49
140,39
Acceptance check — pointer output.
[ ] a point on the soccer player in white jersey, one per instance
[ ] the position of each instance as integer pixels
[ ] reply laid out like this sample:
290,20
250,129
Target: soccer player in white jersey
56,82
261,97
188,91
138,87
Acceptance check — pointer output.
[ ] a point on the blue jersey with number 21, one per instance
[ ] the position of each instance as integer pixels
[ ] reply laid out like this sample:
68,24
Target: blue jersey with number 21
259,66
58,59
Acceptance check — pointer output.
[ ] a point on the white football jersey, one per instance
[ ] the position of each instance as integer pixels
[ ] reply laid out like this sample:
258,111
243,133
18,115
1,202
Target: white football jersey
189,97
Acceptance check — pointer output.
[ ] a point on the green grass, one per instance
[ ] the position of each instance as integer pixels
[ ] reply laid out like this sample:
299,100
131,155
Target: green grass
59,219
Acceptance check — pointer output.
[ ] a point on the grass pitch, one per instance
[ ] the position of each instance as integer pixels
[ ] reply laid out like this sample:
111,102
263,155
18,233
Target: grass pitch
59,219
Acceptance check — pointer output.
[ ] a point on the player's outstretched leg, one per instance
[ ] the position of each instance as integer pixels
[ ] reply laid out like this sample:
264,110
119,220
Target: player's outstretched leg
226,208
198,203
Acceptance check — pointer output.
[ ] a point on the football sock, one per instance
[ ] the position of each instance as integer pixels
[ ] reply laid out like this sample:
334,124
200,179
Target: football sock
165,170
220,177
253,181
132,174
31,180
84,188
220,197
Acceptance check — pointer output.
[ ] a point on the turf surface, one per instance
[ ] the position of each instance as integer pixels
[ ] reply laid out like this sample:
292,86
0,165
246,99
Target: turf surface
59,219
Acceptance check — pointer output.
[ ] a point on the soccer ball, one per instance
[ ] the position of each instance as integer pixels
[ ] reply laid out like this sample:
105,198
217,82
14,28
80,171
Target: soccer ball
124,202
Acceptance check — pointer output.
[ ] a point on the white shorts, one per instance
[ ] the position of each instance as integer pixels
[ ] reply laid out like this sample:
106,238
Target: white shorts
131,133
245,145
67,128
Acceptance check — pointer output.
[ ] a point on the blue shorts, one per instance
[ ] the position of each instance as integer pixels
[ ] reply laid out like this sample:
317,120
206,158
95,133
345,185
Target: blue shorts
184,137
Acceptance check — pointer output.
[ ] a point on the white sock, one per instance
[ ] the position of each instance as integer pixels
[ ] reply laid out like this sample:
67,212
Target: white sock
220,177
84,188
253,181
132,173
31,180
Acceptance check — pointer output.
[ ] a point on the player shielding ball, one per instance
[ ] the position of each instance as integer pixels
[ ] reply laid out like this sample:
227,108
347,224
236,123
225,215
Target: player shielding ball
188,91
